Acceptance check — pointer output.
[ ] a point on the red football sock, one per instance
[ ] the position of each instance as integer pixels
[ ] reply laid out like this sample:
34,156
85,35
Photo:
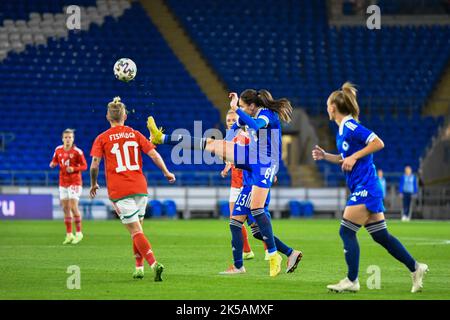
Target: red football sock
137,255
144,248
265,245
68,223
246,246
78,223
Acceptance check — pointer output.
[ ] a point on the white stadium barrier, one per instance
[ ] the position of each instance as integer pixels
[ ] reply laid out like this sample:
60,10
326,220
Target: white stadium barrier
201,200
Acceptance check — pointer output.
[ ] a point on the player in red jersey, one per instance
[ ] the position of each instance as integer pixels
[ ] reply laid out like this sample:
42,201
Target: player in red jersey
236,180
71,163
121,147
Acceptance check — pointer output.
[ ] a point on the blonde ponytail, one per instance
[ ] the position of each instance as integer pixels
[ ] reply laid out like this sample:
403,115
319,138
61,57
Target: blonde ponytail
116,110
345,100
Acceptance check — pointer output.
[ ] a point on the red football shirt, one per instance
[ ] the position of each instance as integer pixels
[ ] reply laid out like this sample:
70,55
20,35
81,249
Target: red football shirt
121,149
241,138
74,158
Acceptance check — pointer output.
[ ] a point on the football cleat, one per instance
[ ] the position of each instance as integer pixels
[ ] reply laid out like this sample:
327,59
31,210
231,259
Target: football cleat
345,285
69,238
293,261
158,269
248,255
138,273
275,264
78,238
233,270
156,134
417,277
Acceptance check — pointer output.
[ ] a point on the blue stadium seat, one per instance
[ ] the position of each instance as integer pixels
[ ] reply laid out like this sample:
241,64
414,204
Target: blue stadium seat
155,208
169,208
224,209
68,82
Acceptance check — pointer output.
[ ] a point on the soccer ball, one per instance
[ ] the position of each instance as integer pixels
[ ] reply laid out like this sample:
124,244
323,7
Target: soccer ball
125,69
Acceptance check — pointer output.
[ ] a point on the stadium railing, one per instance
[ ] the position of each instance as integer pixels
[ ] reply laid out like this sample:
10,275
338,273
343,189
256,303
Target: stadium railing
194,202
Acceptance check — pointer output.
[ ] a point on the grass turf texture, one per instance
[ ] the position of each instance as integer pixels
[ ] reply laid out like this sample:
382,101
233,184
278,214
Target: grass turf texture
33,261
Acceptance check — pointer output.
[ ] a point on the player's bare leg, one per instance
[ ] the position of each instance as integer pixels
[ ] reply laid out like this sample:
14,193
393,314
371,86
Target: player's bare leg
67,221
77,217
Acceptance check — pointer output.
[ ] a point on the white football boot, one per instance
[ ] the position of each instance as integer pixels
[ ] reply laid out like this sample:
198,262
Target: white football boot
417,277
345,285
233,270
293,261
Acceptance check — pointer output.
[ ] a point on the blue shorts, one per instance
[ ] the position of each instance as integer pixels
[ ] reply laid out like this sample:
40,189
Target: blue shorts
372,203
261,174
242,205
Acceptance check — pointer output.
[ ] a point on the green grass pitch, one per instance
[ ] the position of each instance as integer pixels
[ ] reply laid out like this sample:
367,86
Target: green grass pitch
34,263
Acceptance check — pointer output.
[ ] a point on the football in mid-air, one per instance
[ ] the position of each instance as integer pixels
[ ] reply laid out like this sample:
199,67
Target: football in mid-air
125,69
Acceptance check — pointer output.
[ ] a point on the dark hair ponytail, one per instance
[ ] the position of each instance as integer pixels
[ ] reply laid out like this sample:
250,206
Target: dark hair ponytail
263,98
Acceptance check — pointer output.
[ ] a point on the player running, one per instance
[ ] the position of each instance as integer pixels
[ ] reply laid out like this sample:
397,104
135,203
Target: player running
71,163
121,146
356,145
261,114
236,180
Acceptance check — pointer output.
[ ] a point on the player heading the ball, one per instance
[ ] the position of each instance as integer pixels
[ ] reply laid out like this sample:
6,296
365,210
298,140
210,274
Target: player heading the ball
121,146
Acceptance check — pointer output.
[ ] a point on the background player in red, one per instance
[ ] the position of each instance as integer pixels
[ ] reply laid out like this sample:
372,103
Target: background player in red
121,146
71,163
236,180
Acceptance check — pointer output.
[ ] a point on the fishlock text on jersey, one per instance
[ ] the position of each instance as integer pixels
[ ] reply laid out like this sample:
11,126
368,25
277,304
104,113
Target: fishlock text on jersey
122,135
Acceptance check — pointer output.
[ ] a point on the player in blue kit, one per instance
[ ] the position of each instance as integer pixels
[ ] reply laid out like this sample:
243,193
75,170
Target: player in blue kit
242,210
261,114
356,145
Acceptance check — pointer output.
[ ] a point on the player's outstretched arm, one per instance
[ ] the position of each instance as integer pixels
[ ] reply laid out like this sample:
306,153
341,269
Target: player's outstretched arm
159,162
320,154
95,168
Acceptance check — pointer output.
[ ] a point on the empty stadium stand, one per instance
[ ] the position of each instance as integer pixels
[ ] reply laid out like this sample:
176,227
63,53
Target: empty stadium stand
67,82
287,47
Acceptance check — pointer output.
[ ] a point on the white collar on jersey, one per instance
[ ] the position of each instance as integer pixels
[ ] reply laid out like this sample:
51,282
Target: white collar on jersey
341,126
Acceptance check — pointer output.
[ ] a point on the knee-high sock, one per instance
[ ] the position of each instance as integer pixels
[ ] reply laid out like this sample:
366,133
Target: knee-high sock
246,245
186,141
281,246
78,223
348,232
236,242
378,231
144,248
137,255
68,223
265,227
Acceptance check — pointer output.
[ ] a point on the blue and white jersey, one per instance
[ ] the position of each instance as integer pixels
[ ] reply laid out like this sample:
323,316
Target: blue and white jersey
351,138
265,143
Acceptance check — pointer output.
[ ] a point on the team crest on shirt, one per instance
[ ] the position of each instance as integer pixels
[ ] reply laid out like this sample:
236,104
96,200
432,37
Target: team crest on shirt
71,155
345,146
